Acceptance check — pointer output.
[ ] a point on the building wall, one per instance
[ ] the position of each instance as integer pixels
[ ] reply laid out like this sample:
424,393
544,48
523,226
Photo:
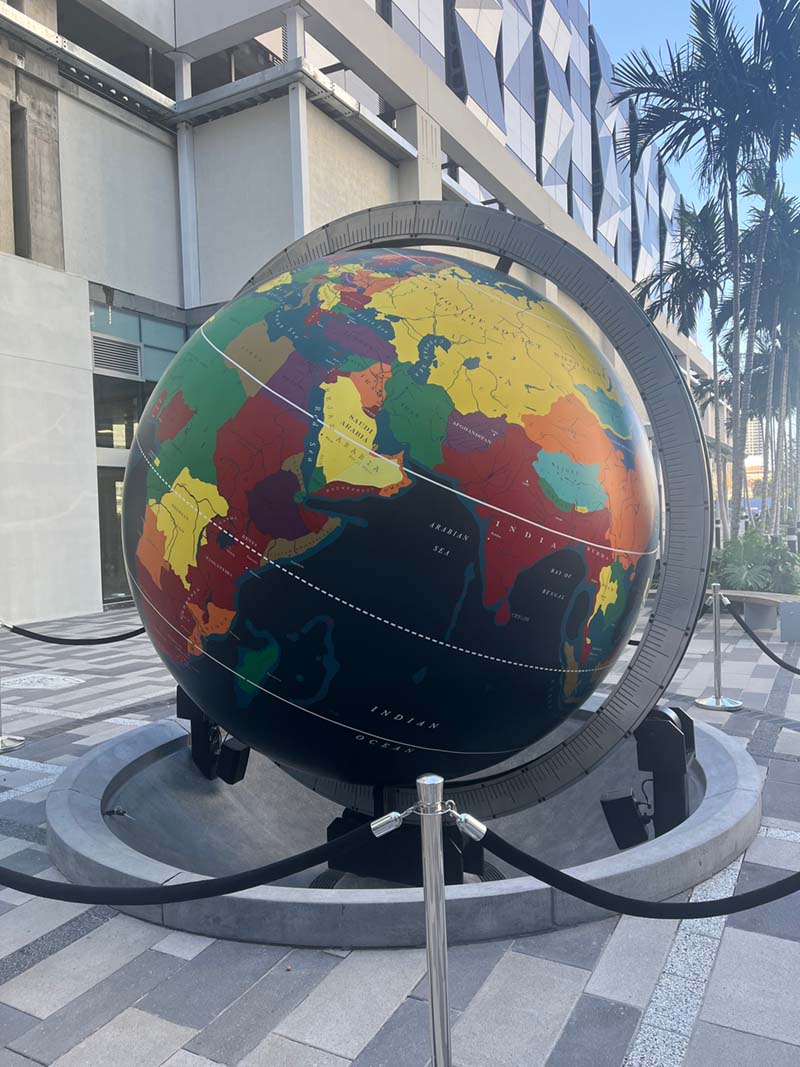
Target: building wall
49,537
344,174
119,188
155,17
244,211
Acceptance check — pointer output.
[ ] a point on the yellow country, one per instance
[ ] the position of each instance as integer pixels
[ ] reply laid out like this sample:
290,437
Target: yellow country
182,516
522,355
347,439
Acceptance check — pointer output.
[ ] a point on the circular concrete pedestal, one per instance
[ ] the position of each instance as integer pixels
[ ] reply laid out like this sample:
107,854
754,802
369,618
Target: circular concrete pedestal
178,826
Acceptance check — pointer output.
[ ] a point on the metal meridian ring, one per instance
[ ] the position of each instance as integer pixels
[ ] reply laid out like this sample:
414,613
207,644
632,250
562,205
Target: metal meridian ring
684,466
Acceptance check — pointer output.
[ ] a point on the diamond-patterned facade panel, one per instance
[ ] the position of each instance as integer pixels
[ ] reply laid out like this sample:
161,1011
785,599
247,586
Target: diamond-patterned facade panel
536,73
611,179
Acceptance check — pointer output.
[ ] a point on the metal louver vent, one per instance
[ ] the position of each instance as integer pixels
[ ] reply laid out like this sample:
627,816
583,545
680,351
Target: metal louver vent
121,357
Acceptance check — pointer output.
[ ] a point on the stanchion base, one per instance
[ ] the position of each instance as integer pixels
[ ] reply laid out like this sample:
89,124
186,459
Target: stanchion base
723,704
8,744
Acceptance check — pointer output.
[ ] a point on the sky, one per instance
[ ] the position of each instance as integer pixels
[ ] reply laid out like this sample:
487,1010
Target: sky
627,25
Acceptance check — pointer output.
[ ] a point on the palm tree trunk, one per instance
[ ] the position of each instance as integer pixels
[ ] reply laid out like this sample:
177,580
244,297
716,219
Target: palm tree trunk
769,439
780,452
739,425
796,457
722,496
755,287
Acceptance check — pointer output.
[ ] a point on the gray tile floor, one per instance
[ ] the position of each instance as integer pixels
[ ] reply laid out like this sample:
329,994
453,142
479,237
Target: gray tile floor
87,987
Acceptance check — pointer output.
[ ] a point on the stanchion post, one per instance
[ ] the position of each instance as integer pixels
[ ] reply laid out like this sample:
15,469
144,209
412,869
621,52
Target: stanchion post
7,744
430,790
718,702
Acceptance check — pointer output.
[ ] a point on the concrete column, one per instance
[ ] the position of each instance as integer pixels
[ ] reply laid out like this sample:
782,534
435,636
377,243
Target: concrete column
298,125
44,11
42,176
187,189
183,74
420,178
7,89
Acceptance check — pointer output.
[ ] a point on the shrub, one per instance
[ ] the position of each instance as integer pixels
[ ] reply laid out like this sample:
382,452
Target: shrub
756,564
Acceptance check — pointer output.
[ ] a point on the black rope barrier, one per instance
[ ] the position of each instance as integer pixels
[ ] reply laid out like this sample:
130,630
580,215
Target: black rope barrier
199,889
48,639
764,647
645,909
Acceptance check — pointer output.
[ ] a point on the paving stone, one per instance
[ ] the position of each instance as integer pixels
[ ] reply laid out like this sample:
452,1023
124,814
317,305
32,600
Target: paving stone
518,1015
11,1059
784,770
632,960
779,918
31,921
235,1033
22,831
132,1039
13,1023
597,1034
675,1002
712,1044
692,954
403,1040
23,812
468,967
781,799
66,1028
52,983
754,986
579,946
657,1048
347,1008
184,945
182,1058
9,846
788,742
774,852
206,985
277,1051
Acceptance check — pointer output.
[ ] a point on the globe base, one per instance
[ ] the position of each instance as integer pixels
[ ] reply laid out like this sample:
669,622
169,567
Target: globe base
721,704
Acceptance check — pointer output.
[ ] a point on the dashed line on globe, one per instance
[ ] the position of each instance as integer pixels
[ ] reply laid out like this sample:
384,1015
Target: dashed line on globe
355,607
416,474
316,714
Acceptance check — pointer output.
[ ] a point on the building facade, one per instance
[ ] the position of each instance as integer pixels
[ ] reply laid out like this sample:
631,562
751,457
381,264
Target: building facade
155,153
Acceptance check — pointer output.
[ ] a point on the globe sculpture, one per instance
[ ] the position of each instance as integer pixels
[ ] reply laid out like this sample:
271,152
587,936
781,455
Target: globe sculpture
389,512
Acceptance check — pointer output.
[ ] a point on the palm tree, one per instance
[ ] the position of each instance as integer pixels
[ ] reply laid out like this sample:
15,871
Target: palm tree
698,275
777,321
775,120
701,97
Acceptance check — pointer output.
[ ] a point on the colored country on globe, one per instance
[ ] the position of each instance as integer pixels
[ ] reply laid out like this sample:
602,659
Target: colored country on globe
387,513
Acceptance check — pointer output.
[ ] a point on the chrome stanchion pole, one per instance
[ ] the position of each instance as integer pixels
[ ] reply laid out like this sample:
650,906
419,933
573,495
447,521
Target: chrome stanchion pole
432,810
8,743
718,702
430,790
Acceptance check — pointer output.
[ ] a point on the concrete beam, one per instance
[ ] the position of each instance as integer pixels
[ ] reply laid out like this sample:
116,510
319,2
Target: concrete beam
298,123
42,171
361,40
420,178
6,198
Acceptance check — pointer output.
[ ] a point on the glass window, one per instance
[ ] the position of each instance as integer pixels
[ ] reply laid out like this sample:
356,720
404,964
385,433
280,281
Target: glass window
112,565
154,362
159,333
118,406
114,322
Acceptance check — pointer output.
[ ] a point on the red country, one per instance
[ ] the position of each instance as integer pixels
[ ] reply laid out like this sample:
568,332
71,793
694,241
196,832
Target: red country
173,418
250,447
167,600
503,476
